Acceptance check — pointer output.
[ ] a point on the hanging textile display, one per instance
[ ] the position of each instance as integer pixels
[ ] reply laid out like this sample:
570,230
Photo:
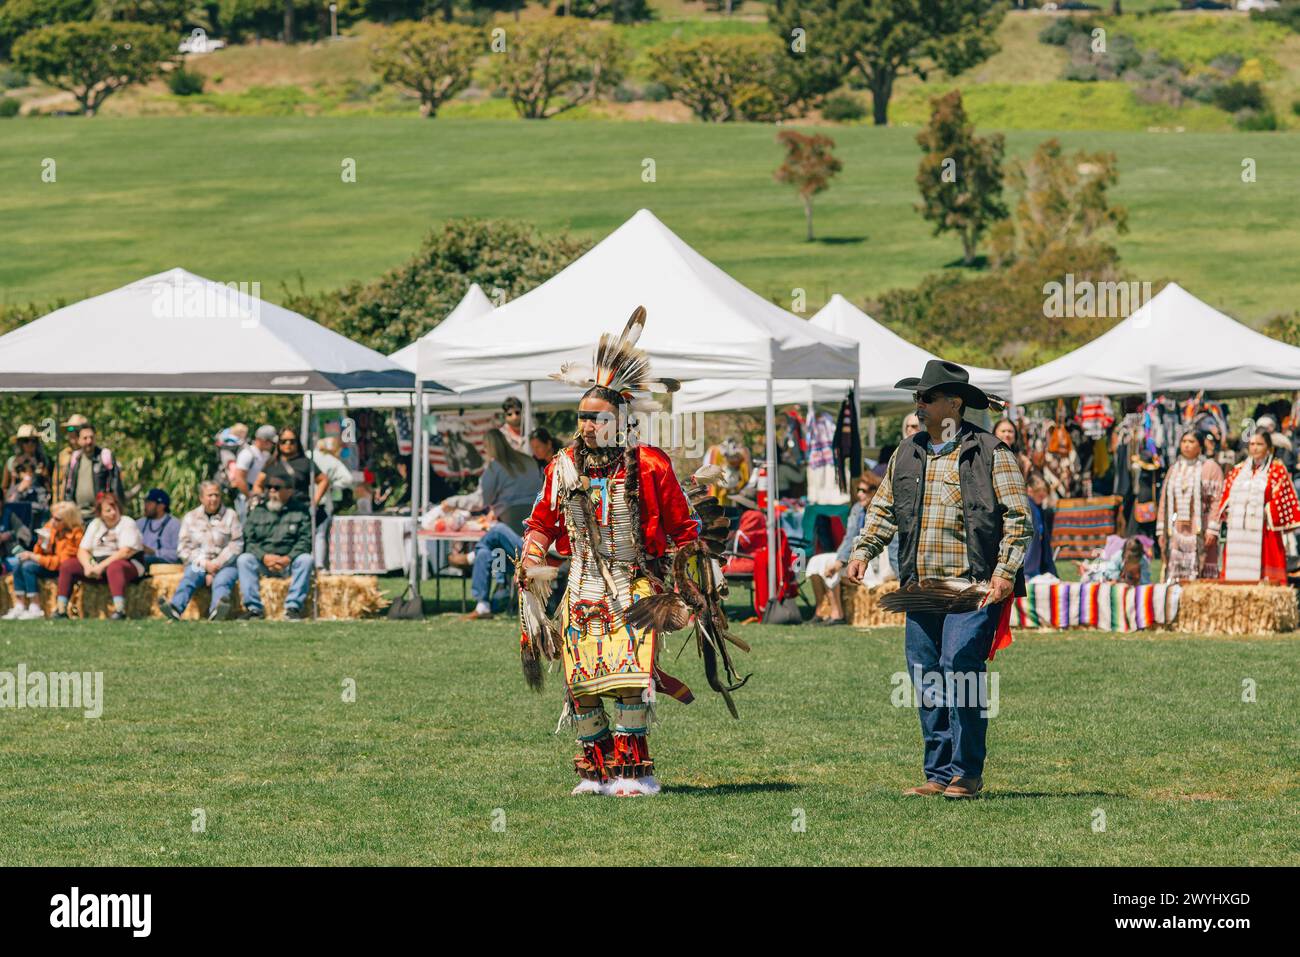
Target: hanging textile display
847,453
822,487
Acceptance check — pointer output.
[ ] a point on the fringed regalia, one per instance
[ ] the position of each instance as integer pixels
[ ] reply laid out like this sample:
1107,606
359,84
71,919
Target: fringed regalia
621,517
1258,504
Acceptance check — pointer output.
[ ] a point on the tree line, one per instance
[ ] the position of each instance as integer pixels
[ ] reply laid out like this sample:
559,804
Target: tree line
435,49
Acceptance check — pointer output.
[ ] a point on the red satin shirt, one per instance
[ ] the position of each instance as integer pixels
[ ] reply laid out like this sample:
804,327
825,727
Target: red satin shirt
665,513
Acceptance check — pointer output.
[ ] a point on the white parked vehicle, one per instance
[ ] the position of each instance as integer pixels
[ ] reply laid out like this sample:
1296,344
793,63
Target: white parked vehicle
199,42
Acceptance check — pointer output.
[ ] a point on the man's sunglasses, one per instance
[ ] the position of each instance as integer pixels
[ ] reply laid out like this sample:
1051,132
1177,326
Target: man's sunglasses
277,487
288,441
927,398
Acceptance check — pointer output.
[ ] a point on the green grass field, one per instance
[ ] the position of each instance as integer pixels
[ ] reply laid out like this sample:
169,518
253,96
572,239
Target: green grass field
262,200
247,723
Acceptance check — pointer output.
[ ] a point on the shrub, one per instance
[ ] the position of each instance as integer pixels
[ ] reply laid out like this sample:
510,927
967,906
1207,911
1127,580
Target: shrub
1080,72
1058,32
655,92
1295,107
723,78
843,108
1255,120
1287,15
625,94
183,82
8,106
11,79
1236,96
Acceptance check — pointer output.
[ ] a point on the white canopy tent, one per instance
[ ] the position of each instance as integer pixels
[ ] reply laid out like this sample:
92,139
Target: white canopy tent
176,332
701,323
885,358
1173,343
478,392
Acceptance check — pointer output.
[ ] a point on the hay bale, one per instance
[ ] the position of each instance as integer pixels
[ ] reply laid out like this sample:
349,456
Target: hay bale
349,596
1218,608
862,605
340,597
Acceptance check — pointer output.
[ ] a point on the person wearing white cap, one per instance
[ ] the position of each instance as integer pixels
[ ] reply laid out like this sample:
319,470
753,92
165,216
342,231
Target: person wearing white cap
248,466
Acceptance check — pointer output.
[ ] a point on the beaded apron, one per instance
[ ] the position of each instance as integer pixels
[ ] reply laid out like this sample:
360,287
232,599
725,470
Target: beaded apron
602,654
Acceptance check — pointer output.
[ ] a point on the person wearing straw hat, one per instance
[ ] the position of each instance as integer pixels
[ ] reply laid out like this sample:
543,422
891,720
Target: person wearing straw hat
27,447
954,496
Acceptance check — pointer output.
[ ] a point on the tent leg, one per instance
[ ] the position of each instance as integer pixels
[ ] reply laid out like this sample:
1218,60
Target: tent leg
528,409
417,486
425,472
773,487
310,448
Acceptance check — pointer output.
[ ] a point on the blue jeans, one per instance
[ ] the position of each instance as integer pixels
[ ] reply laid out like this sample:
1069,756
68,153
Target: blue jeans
251,569
500,536
26,575
955,647
223,582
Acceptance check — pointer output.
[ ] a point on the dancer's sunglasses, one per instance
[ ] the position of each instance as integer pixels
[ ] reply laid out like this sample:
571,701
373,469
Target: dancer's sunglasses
928,398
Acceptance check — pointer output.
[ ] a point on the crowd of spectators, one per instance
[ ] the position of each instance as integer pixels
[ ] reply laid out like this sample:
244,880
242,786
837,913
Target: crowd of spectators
65,519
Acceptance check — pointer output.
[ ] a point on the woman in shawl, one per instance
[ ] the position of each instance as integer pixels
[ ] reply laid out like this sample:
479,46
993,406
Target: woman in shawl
1190,496
1258,505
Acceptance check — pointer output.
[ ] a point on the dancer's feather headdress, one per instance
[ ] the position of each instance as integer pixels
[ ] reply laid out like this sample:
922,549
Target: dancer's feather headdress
618,365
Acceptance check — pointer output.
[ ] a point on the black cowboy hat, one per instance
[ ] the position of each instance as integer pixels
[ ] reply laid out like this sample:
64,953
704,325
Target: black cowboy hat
948,378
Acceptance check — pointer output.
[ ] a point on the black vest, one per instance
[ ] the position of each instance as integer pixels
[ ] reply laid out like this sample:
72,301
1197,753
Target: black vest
981,510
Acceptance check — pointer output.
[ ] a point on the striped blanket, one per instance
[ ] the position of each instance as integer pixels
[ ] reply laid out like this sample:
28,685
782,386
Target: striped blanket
1081,525
1107,606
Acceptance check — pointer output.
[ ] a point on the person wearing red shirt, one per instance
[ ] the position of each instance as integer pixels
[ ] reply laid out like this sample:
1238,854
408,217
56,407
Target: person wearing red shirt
614,508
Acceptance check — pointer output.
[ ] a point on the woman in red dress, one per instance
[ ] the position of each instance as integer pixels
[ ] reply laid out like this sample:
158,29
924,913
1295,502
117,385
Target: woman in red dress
1258,504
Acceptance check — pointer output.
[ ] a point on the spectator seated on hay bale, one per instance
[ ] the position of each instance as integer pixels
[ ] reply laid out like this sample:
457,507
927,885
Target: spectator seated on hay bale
823,570
277,542
160,530
107,552
210,541
58,541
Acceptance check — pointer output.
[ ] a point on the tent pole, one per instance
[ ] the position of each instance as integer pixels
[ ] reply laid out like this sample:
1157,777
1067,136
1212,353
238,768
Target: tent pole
528,410
310,449
417,486
425,472
772,487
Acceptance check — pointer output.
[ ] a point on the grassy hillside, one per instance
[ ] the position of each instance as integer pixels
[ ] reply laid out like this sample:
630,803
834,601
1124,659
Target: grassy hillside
261,199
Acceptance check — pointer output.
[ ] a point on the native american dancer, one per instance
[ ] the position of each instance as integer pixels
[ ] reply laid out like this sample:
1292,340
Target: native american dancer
1258,504
619,513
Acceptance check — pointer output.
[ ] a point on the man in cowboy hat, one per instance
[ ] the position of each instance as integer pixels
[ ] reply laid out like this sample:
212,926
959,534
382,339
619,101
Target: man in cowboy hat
955,497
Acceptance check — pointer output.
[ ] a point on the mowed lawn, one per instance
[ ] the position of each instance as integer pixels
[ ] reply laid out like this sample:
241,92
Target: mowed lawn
262,199
444,758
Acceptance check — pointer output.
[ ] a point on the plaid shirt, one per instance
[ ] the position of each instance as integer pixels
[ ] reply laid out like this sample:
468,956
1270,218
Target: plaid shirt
941,550
218,537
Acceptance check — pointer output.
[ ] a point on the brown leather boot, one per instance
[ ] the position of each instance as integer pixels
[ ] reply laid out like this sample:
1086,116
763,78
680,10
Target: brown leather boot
928,789
964,787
